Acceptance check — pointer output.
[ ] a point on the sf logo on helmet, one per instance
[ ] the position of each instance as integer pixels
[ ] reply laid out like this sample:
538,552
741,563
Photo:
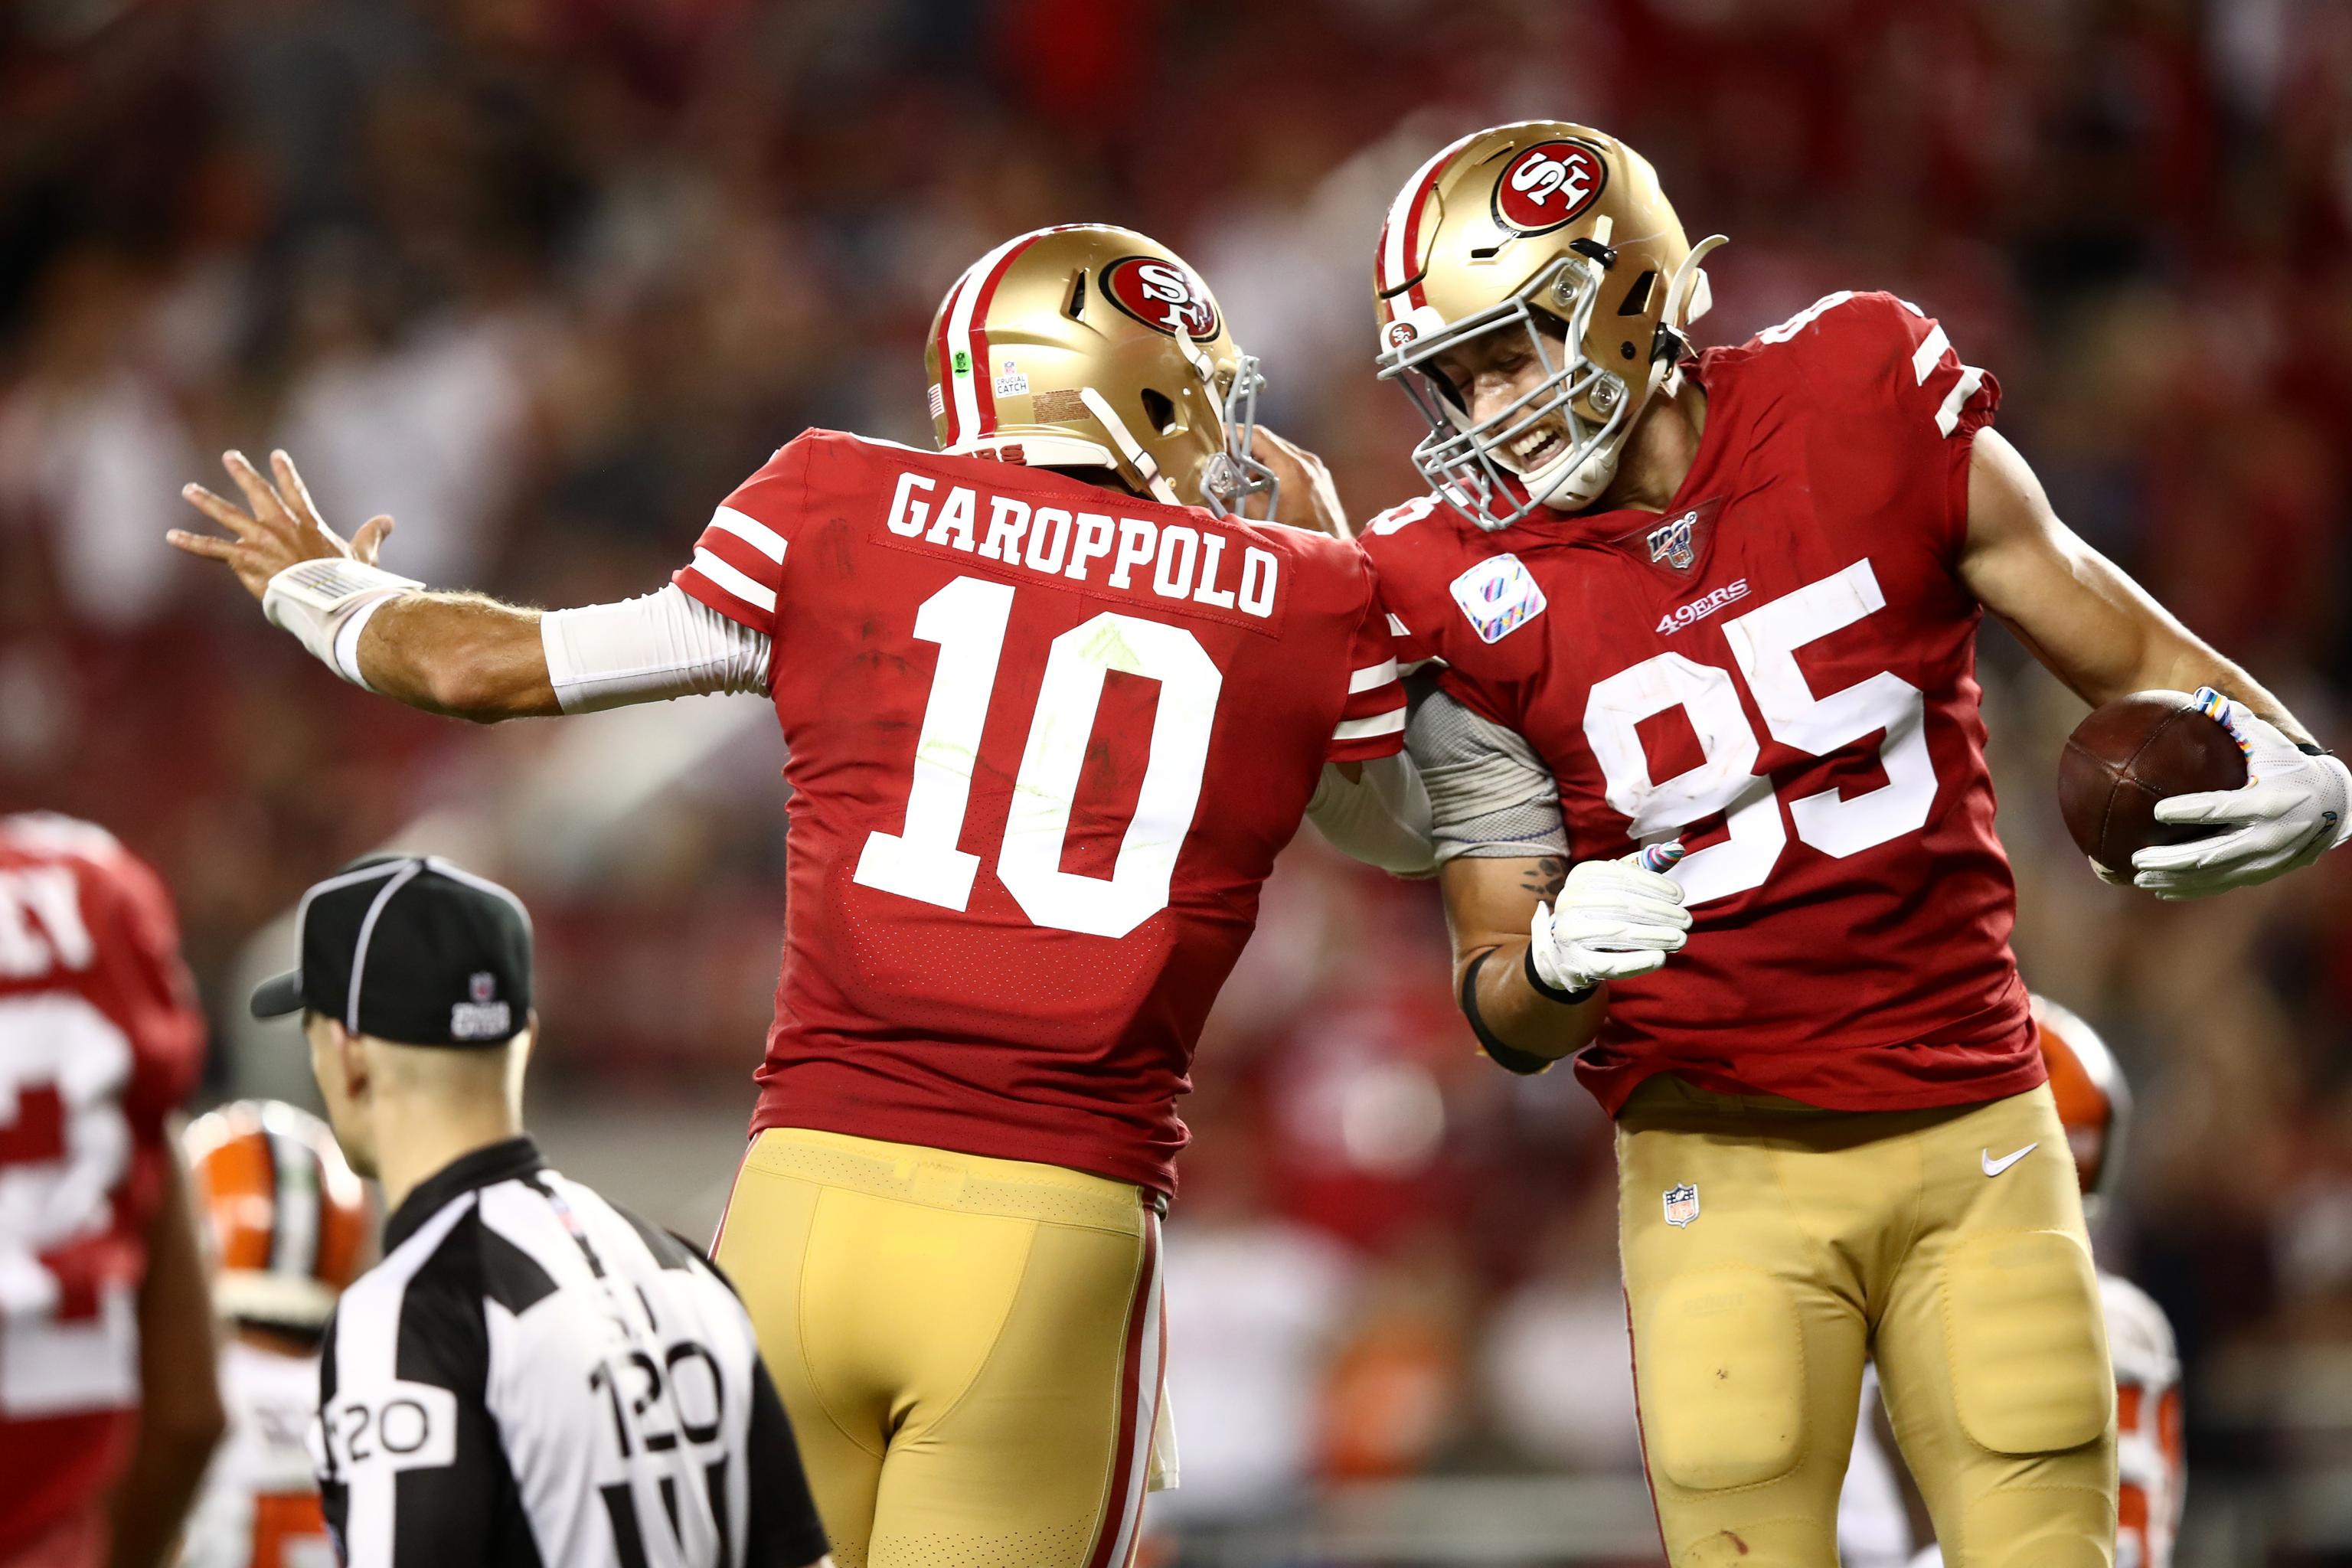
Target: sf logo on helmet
1396,334
1161,295
1548,186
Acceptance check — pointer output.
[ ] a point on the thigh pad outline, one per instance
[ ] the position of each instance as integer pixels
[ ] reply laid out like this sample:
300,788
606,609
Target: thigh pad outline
1722,1379
2028,1342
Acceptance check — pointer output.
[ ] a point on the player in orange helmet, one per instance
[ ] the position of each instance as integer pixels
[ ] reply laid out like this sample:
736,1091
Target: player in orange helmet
109,1406
288,1222
1731,596
2094,1107
1055,694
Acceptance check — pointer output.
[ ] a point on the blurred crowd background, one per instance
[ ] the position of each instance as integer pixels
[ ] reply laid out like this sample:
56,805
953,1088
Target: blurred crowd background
544,279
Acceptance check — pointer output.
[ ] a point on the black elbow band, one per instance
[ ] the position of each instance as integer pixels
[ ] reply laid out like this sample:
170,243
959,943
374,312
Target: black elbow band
1510,1057
1545,988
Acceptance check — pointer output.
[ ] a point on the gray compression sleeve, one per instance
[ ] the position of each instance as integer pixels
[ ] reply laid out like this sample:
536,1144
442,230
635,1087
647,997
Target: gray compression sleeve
1490,797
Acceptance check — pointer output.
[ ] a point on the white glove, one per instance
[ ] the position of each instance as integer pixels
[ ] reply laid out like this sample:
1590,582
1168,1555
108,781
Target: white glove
2293,808
1613,920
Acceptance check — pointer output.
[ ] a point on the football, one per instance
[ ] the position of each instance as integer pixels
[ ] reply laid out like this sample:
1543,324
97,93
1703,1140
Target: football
2131,754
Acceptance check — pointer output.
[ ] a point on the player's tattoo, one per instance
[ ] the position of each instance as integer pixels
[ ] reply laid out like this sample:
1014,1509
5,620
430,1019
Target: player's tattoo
1548,877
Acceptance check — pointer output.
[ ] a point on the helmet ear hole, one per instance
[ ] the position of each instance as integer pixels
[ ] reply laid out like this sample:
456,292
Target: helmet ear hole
1637,298
1160,412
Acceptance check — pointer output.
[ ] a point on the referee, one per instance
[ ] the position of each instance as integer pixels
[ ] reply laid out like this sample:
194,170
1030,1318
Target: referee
530,1376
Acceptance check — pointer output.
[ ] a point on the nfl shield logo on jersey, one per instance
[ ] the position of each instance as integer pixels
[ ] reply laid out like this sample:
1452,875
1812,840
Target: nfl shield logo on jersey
1676,542
1500,597
1682,1204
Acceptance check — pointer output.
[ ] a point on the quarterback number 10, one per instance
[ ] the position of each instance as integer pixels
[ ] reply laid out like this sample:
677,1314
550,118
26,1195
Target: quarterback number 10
1765,642
968,619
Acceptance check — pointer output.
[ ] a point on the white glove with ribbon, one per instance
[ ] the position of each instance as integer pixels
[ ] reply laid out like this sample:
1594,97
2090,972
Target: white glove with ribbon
1613,920
2293,808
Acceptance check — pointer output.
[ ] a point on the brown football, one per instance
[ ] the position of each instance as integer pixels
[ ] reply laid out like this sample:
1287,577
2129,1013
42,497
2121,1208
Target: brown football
2131,754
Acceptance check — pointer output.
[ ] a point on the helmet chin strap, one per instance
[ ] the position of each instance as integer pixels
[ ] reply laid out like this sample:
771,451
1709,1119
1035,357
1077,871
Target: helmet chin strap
1576,489
1688,298
1128,448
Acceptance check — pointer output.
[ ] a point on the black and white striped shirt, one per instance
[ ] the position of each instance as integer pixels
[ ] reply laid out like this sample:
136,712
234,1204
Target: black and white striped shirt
532,1376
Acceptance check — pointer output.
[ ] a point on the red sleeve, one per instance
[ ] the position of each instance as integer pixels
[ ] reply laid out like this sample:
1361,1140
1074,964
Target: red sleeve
1933,391
1414,646
1873,355
739,562
1372,720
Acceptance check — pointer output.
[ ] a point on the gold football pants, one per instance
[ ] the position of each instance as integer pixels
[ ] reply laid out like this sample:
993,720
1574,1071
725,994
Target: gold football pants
969,1349
1811,1240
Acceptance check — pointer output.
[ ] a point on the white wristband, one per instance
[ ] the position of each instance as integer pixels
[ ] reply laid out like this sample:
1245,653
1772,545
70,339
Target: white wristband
325,602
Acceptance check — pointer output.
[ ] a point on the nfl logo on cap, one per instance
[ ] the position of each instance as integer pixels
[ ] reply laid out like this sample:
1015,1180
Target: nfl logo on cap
1682,1204
480,1018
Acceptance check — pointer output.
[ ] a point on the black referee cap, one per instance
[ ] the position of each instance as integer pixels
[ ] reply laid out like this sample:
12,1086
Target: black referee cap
412,949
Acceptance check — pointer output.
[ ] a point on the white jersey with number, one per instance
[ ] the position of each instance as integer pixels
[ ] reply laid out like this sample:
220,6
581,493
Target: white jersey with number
259,1506
2151,1471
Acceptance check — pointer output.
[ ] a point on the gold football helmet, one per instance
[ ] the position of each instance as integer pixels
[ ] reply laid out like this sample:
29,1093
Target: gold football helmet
1090,346
1519,228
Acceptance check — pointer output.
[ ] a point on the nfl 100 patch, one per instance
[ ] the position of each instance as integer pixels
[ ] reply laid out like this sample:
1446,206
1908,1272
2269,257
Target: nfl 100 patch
1676,541
1499,596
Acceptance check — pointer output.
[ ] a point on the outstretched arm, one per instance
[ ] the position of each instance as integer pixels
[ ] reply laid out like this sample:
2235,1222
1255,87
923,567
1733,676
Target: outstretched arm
464,655
459,654
2100,633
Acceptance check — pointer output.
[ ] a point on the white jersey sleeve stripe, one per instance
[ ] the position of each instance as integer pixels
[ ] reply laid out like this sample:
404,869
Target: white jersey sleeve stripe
1379,674
1388,723
726,577
1931,349
1804,318
1947,417
751,532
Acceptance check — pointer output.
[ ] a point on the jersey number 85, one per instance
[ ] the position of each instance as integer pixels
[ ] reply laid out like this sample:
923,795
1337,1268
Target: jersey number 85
1764,642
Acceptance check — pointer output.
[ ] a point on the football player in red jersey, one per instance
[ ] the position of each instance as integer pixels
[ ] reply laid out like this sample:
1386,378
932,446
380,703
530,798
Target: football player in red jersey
109,1409
1052,708
1731,597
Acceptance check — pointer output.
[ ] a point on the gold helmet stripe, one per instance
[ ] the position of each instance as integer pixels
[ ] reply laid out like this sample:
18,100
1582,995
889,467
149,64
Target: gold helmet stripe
963,363
1400,248
963,339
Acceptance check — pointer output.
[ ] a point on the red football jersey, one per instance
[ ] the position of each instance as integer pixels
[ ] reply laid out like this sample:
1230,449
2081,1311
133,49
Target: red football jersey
99,1041
1781,669
1046,740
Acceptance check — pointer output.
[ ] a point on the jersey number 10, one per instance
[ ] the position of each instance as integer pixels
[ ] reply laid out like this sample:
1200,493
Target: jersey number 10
968,619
